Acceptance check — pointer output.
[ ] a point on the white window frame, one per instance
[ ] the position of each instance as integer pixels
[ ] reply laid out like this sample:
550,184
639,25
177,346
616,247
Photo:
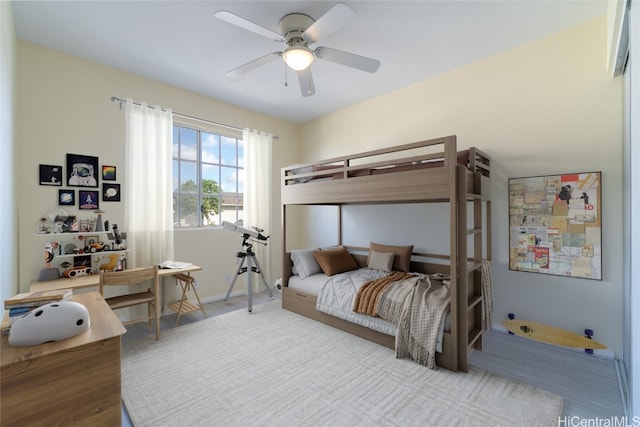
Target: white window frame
236,197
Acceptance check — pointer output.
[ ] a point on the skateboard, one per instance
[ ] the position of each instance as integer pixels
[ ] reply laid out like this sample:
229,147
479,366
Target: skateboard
552,335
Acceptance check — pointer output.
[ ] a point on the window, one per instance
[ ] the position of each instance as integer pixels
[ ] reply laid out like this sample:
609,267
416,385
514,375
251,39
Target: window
207,177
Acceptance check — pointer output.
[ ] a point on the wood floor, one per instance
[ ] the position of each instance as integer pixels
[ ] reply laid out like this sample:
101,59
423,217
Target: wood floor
589,384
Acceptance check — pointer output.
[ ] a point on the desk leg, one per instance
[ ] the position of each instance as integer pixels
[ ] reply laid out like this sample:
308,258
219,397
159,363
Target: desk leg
193,288
187,283
183,298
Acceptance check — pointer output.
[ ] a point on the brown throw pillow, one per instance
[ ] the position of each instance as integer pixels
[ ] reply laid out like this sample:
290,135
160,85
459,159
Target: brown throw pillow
402,258
334,261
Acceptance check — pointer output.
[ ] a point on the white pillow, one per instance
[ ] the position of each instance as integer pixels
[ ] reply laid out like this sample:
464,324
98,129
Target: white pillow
381,260
304,263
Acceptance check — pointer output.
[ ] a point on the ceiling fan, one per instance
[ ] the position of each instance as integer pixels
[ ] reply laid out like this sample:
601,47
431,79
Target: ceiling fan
299,31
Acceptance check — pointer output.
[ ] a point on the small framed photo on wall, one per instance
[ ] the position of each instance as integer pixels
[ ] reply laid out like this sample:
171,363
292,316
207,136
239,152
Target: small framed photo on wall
66,197
50,175
82,171
88,199
110,192
108,173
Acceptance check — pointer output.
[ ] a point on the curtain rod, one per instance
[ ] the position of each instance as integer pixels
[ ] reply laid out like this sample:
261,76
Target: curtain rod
119,100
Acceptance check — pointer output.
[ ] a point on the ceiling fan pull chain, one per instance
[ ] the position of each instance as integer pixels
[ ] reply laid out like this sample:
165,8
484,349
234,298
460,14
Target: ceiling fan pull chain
285,76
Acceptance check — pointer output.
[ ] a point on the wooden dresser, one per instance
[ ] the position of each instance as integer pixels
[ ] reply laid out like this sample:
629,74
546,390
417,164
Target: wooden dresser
71,382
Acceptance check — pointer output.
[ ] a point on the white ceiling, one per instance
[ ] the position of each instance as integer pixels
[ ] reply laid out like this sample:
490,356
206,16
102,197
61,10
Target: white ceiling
181,43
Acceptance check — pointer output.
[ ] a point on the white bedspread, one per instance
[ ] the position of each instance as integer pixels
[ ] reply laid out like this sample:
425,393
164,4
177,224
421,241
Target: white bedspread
338,294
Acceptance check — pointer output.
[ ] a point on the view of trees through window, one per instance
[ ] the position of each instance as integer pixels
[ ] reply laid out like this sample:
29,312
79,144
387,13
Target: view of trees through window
207,178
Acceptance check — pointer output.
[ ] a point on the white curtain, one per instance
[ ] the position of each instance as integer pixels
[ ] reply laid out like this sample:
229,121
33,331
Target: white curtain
257,193
148,192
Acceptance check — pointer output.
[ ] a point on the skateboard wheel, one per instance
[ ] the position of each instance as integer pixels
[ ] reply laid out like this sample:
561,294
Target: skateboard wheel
511,316
588,333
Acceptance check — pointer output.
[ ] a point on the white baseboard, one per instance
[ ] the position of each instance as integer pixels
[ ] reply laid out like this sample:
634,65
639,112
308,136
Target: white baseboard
623,382
221,297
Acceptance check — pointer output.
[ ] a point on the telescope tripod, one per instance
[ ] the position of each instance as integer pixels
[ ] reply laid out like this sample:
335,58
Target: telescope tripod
253,266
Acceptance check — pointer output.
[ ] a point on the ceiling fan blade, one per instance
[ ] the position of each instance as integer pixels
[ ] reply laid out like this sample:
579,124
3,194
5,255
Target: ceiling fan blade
247,25
251,65
306,82
352,60
337,17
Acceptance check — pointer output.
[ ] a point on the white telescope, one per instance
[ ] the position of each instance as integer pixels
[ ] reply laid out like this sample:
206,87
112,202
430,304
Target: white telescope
244,231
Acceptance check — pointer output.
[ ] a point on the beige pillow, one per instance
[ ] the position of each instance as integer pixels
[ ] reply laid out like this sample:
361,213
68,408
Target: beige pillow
382,261
402,258
334,261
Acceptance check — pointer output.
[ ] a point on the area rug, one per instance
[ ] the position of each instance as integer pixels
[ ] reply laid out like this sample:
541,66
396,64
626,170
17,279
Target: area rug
273,367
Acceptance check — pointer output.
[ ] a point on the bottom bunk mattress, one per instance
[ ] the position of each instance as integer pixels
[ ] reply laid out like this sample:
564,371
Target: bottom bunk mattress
337,294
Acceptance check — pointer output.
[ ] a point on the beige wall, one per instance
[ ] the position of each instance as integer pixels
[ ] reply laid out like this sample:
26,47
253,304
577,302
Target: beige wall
64,106
548,107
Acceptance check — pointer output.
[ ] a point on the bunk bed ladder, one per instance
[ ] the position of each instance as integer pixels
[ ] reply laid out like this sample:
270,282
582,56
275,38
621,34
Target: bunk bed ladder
470,296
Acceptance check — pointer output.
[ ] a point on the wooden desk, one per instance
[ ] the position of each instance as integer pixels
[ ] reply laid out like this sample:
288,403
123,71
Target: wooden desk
71,382
94,279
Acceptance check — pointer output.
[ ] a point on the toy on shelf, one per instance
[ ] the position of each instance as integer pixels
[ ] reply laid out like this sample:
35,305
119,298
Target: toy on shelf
57,216
50,250
94,247
48,272
43,225
99,223
74,271
117,237
111,262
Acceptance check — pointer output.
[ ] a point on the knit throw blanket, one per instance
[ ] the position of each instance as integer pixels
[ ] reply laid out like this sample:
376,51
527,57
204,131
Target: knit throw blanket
415,305
368,295
418,328
487,295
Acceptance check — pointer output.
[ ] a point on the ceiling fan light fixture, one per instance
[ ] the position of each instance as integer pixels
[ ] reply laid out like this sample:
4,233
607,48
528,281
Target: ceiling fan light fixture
298,58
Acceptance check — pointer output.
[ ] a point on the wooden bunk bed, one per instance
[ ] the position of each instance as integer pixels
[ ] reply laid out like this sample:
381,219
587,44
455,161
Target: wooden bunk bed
422,172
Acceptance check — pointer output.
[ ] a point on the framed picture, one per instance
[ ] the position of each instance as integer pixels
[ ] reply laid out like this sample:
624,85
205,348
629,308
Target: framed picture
88,199
70,225
66,197
50,175
555,225
108,173
85,225
82,171
110,192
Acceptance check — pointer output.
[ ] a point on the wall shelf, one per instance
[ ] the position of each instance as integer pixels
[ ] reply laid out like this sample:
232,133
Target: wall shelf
74,256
